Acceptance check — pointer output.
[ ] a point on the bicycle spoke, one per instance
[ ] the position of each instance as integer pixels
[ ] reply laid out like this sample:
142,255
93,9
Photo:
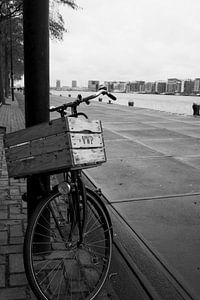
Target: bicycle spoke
68,270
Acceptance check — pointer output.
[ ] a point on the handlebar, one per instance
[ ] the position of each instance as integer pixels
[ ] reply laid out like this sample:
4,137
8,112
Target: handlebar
79,100
100,92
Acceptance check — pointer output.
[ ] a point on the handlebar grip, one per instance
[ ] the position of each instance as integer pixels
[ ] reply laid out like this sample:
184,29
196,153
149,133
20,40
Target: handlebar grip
57,108
111,96
51,109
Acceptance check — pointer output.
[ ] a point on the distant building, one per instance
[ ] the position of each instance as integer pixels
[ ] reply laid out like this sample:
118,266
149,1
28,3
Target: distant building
135,86
74,84
160,87
109,85
150,87
119,86
173,86
93,85
187,87
58,84
197,86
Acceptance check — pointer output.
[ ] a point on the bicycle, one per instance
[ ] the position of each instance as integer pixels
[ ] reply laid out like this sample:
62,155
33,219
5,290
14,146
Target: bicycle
68,241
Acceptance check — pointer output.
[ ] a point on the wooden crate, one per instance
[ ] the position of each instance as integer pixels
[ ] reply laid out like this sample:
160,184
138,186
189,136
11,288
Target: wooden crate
64,143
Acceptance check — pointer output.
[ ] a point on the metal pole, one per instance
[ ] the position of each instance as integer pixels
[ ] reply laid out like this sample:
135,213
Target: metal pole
11,61
36,79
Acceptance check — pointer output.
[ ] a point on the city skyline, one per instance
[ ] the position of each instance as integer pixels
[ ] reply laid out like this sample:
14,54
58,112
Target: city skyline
173,86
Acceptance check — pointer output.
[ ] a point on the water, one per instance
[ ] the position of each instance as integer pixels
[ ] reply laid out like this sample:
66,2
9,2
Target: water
167,103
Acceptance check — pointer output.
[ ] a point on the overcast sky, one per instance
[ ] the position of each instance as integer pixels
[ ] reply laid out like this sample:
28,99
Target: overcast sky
128,40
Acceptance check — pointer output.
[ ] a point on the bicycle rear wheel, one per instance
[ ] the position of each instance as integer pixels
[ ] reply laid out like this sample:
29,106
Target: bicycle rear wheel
65,269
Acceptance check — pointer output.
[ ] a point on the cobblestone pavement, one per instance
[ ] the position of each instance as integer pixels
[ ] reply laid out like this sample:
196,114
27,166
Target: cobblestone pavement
13,218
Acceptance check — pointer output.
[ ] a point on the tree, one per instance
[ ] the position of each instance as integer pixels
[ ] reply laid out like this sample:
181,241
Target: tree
11,10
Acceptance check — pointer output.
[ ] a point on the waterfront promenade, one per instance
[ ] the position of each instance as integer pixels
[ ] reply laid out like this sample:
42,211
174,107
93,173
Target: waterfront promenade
151,183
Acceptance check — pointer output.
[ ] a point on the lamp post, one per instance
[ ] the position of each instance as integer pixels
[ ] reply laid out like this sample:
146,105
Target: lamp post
9,11
11,61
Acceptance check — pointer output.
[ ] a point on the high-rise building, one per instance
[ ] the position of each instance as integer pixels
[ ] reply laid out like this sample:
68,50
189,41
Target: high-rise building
93,85
119,86
150,87
160,87
173,86
109,85
58,84
187,86
197,85
74,84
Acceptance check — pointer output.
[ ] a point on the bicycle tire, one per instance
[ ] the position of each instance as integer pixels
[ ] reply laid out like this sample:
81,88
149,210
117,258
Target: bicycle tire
63,271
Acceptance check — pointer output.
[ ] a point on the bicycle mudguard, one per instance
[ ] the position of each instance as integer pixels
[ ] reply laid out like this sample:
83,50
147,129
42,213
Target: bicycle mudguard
99,200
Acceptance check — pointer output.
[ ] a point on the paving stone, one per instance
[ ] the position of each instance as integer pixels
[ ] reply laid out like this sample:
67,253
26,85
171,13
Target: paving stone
15,209
3,226
14,191
16,263
3,182
18,279
17,293
18,216
3,237
2,259
16,240
16,230
8,249
12,222
2,276
3,215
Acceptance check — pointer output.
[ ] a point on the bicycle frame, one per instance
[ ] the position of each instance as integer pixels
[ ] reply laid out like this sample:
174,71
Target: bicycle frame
78,191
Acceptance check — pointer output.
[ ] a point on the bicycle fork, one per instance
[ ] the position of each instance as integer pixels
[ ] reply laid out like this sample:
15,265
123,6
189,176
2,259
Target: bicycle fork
79,203
76,214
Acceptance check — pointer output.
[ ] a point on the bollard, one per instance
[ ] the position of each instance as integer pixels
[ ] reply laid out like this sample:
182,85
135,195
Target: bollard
130,103
198,108
100,99
195,108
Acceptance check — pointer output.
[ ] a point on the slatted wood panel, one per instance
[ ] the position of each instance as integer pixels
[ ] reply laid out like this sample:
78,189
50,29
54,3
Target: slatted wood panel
64,143
79,124
39,147
93,156
35,132
40,164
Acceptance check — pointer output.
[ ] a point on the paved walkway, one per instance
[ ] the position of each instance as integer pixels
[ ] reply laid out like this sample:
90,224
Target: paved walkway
151,180
13,217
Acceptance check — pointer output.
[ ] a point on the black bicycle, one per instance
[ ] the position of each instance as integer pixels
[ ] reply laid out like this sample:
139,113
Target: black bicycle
68,242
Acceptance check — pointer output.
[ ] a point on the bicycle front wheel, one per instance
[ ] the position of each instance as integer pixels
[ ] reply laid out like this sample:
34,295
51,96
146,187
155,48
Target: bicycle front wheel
56,265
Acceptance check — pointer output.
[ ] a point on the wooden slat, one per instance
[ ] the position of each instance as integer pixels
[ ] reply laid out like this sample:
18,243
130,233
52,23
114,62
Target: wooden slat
35,132
40,164
79,125
38,147
86,140
88,156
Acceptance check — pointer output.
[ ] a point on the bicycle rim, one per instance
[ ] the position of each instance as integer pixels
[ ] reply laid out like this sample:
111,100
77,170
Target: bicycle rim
56,267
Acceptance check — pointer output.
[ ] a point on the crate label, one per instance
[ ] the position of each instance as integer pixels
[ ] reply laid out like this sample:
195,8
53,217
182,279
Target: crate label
86,140
88,156
79,124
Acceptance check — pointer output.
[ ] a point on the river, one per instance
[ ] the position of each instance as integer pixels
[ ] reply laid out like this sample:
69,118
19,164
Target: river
167,103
